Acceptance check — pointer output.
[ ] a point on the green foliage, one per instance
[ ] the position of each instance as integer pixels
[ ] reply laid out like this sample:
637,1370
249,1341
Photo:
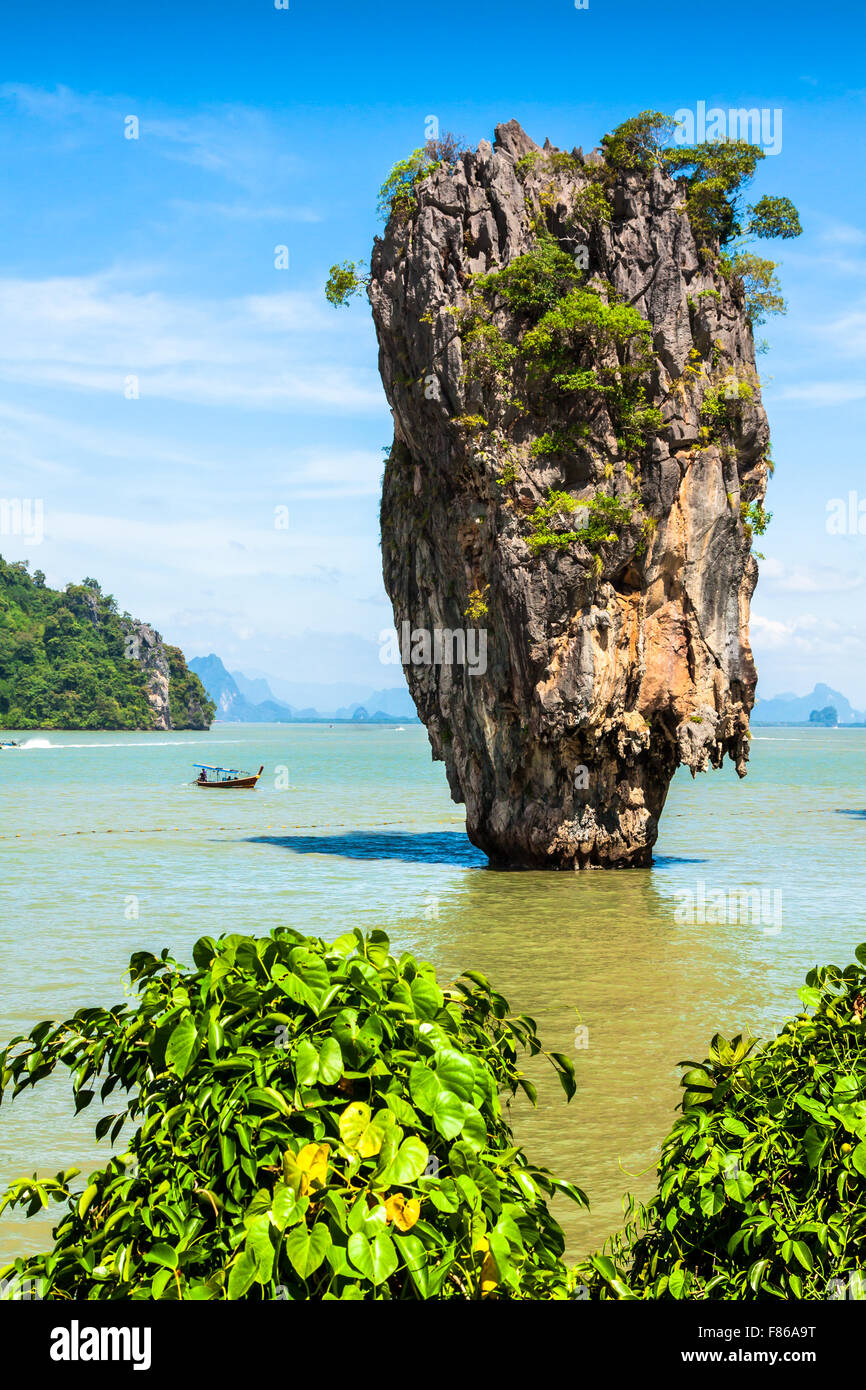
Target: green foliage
755,518
477,604
581,324
508,474
721,404
470,423
638,426
533,283
556,442
309,1120
716,170
548,162
397,194
578,318
591,206
774,217
486,352
543,536
761,284
63,662
762,1181
344,282
189,704
639,142
607,517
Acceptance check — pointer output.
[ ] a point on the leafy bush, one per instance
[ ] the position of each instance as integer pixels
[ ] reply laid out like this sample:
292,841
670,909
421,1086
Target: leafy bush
397,194
774,217
716,170
578,318
639,142
760,284
556,442
477,604
547,162
755,518
344,282
486,352
762,1181
607,517
591,206
311,1121
533,283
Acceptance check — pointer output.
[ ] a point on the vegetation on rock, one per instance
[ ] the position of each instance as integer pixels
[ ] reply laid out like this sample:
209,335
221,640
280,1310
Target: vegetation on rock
64,662
716,172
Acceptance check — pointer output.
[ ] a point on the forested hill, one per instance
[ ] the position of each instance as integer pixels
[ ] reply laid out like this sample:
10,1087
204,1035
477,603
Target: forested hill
69,660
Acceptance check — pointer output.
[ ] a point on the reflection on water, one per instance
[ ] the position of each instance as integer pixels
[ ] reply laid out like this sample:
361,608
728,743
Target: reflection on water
108,849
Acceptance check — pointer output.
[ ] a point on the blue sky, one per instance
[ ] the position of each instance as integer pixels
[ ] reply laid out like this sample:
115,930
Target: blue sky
155,259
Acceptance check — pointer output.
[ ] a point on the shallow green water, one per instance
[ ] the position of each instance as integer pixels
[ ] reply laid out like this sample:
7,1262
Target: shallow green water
97,827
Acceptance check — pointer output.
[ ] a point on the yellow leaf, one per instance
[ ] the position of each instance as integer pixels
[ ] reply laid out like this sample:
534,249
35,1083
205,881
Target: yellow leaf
357,1132
403,1211
313,1162
489,1274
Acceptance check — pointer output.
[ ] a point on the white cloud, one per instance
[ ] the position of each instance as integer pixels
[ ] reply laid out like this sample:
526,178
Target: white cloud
238,143
824,392
273,351
844,233
245,212
804,579
804,635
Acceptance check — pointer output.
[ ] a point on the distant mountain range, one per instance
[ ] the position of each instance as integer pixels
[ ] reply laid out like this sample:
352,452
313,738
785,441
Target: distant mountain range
243,699
798,709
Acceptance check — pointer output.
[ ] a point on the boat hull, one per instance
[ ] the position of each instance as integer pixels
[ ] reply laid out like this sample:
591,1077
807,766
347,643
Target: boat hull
231,783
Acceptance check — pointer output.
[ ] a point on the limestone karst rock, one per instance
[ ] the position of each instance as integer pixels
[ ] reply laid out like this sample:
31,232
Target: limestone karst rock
576,482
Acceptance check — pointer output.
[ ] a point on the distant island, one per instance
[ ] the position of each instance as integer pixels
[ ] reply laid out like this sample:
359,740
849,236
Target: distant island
70,660
824,707
241,700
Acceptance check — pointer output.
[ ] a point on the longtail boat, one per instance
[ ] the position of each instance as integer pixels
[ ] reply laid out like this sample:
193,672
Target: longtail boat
225,776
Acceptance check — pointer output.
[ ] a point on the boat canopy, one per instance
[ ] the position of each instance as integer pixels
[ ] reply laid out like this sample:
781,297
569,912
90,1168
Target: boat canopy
208,767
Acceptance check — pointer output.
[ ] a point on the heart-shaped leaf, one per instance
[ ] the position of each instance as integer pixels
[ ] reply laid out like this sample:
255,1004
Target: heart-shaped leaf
375,1258
306,1249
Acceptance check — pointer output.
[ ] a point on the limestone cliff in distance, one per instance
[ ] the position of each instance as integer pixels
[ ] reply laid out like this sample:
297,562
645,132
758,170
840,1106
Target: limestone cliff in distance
579,449
70,660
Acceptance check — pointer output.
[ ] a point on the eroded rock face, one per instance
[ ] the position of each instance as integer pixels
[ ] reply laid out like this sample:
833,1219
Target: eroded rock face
608,663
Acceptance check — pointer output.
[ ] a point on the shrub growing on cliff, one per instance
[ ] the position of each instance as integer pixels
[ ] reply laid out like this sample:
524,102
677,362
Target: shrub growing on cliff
311,1120
639,142
760,284
344,282
534,282
397,194
762,1182
606,518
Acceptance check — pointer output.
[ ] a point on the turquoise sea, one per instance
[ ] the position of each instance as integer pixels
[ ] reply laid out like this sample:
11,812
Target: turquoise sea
108,848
